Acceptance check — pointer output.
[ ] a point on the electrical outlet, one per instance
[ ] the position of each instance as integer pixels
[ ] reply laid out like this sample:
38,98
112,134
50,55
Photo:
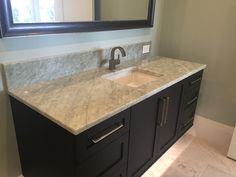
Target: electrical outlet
146,49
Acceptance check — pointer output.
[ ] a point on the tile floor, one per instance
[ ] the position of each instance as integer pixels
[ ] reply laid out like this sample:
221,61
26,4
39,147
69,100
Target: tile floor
191,157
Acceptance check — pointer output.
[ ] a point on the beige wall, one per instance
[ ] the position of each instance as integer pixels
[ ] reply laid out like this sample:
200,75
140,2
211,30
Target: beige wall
78,10
205,31
74,10
26,47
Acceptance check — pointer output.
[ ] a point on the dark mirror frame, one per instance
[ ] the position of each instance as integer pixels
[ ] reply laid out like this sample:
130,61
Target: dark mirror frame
8,28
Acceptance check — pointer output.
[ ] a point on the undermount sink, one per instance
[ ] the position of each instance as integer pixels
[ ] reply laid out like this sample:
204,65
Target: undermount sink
132,77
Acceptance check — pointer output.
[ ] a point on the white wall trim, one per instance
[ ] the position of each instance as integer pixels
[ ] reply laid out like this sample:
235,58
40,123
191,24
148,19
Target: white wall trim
232,148
217,134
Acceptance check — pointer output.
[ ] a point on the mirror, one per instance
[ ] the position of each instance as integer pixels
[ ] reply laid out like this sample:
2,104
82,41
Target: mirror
30,17
43,11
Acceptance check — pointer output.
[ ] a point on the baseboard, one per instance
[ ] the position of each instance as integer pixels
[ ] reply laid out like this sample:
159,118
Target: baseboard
232,148
214,133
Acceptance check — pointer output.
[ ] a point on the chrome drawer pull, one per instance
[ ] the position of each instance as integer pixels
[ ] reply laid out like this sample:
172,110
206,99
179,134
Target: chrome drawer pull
97,140
195,81
192,101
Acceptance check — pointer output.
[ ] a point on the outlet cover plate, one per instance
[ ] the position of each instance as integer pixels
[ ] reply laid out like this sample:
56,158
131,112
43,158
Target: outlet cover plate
146,49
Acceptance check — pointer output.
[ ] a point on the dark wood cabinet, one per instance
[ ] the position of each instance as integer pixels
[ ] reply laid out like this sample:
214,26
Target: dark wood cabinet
142,135
168,114
45,149
153,128
191,88
48,150
95,139
107,161
103,150
125,145
120,173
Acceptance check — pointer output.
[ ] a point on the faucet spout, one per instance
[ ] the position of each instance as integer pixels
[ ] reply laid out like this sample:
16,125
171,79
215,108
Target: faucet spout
122,50
113,62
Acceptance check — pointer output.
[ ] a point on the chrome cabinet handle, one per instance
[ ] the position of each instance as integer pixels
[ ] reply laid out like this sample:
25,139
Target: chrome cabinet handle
97,140
195,81
162,111
192,101
167,109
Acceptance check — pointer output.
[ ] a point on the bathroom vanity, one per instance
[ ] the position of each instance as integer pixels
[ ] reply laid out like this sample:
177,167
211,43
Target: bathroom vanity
100,123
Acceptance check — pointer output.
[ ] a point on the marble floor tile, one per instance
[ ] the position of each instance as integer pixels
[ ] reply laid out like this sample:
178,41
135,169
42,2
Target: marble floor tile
192,157
211,171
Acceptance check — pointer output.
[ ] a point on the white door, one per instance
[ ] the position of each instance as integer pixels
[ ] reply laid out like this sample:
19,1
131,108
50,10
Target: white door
232,149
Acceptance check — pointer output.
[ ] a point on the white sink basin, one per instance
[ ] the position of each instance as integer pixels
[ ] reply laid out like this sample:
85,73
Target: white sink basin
132,77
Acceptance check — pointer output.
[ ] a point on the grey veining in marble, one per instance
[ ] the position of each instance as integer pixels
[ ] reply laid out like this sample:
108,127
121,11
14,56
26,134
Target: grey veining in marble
37,70
80,101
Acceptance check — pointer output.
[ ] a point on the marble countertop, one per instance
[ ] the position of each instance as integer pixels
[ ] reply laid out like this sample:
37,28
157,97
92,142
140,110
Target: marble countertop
80,101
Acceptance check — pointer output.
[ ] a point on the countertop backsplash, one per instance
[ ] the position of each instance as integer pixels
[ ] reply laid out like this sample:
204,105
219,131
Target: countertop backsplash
31,71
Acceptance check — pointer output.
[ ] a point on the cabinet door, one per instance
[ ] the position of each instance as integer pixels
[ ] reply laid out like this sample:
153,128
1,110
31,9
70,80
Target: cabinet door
168,111
142,136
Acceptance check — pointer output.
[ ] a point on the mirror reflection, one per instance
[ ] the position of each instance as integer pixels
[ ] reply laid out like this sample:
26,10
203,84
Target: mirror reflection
43,11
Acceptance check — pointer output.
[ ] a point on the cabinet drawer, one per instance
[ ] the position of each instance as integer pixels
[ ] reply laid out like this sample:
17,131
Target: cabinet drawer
96,138
194,80
191,97
107,161
191,88
188,115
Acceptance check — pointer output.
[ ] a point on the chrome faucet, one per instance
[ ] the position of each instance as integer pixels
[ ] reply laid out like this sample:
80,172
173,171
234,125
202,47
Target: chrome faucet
113,62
